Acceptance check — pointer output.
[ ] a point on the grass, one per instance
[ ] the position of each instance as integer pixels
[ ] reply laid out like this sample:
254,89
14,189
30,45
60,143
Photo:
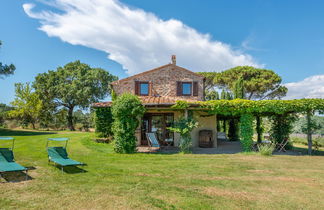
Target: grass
159,181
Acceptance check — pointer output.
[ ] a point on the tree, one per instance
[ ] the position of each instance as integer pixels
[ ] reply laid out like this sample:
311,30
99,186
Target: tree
309,128
74,85
6,70
211,95
258,83
126,110
4,109
239,89
27,104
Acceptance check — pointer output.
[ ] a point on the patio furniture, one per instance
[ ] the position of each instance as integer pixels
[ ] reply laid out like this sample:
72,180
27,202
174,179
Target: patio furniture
281,146
7,159
221,136
152,140
59,155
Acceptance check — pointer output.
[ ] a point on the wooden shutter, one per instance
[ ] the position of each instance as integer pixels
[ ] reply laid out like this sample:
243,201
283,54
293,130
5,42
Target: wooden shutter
137,87
179,88
195,89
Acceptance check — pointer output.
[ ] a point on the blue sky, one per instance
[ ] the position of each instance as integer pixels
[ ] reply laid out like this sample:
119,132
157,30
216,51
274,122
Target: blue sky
285,36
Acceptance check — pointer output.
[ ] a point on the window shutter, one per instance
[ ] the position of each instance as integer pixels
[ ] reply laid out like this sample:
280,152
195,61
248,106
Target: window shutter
179,88
195,89
137,87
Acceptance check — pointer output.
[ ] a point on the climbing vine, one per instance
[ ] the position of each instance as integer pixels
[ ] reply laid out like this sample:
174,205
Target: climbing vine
246,132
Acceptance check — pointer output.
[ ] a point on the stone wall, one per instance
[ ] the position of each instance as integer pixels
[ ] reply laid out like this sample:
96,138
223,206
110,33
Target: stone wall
163,82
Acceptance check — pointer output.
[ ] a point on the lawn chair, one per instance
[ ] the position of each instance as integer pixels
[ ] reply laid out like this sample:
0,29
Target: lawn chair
7,159
152,140
281,146
59,155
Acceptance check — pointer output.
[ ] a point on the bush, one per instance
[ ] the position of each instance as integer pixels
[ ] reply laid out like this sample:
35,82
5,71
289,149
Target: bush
103,122
266,149
126,111
184,126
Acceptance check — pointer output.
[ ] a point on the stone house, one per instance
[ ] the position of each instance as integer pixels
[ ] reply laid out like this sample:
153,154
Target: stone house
159,89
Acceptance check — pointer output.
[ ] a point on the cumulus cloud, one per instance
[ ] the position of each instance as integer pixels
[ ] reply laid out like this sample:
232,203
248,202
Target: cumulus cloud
136,39
310,87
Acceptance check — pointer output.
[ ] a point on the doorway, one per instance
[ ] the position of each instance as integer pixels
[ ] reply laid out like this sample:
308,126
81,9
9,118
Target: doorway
158,123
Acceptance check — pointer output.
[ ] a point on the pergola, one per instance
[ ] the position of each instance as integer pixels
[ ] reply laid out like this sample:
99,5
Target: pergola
239,107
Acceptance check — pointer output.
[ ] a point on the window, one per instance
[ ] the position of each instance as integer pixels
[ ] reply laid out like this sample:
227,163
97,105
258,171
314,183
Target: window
186,88
144,88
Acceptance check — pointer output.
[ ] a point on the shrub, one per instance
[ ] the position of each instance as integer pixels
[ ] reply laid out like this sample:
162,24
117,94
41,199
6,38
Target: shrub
103,122
126,111
246,132
266,149
184,126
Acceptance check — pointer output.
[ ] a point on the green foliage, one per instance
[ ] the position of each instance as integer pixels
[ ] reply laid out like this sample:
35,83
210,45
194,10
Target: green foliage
258,83
184,126
126,111
211,95
233,130
262,107
266,149
314,125
301,124
281,127
103,121
74,85
4,109
239,89
180,105
6,70
223,94
27,105
246,132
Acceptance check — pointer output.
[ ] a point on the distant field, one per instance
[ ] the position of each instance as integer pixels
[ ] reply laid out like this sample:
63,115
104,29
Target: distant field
159,181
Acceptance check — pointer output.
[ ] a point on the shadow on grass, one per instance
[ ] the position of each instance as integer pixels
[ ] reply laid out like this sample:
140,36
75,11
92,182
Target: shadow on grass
8,132
17,176
71,169
304,151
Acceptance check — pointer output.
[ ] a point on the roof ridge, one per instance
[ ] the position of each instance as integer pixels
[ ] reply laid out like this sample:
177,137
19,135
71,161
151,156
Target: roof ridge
155,69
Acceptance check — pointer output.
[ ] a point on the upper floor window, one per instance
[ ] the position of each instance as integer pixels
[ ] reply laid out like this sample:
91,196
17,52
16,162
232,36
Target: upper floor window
187,88
142,88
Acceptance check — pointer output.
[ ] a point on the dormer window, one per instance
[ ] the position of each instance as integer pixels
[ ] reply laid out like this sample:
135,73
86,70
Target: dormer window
142,88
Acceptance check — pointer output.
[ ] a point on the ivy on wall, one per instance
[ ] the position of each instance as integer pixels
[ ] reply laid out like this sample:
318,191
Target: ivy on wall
126,111
246,131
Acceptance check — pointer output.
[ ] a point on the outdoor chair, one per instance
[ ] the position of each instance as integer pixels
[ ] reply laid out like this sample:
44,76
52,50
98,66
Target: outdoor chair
152,140
7,159
59,155
281,146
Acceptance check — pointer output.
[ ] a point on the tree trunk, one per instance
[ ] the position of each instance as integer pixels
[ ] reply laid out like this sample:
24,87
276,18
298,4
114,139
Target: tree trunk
33,125
70,119
309,133
258,128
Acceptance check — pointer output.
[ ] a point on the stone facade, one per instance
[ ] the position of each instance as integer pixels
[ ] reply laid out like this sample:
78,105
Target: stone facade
163,82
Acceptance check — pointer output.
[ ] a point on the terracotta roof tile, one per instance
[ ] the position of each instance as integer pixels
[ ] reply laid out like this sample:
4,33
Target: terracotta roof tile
152,101
155,69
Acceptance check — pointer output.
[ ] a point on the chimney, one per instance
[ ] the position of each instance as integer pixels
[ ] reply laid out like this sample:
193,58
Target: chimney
174,59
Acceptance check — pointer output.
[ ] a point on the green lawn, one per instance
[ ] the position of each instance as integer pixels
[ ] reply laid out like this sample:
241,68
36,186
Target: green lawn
154,181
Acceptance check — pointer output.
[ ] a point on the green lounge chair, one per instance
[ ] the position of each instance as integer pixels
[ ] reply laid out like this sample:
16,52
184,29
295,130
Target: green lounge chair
7,159
59,155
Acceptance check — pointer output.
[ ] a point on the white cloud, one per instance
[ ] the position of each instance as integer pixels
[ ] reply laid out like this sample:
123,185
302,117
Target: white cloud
136,39
310,87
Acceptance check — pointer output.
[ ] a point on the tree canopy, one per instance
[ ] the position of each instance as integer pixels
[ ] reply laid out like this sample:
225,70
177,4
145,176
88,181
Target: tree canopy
27,105
74,85
5,69
258,83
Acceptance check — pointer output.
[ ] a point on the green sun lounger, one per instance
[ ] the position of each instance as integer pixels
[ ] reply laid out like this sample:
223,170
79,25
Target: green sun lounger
7,159
59,155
